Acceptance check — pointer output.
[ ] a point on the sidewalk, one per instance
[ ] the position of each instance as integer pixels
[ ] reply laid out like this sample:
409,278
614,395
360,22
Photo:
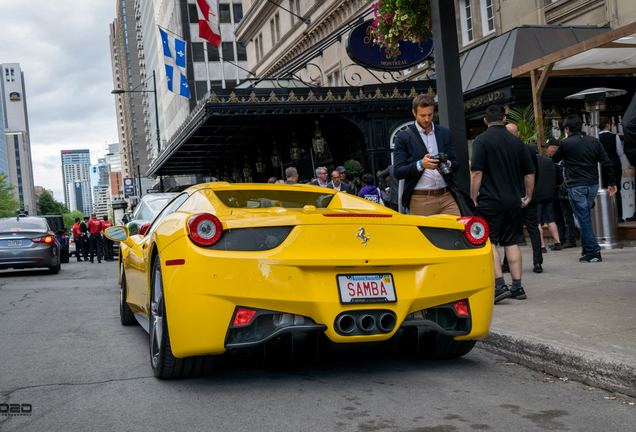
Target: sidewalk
579,320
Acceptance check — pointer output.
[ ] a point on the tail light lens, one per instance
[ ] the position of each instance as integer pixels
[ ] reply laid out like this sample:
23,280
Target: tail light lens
47,239
63,236
461,307
476,231
205,229
243,317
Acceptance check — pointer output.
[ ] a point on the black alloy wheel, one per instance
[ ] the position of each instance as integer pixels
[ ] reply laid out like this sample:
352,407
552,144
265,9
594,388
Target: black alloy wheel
164,364
126,315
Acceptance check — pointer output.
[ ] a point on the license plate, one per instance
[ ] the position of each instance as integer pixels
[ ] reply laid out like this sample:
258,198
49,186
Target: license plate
15,242
368,288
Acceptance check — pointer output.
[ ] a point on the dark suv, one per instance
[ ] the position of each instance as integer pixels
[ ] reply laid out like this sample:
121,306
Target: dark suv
56,222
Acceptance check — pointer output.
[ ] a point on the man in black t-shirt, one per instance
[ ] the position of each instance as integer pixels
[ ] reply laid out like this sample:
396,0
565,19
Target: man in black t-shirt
501,167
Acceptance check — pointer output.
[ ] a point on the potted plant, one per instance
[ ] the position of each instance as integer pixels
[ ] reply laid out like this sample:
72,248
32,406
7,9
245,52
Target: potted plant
400,20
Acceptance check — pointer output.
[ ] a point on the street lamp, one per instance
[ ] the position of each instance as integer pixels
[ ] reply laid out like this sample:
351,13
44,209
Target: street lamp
154,86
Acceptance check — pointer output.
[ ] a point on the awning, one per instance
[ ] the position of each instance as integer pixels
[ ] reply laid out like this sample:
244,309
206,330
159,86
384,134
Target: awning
498,58
239,126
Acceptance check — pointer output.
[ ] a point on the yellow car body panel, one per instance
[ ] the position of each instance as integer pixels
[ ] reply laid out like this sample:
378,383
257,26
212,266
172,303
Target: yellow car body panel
299,276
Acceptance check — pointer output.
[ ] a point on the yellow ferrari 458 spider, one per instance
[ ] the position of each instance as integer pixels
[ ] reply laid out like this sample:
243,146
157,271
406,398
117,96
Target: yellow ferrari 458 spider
230,270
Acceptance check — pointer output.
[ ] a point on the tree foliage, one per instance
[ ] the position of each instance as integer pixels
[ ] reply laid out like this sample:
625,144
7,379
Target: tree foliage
48,206
8,202
69,219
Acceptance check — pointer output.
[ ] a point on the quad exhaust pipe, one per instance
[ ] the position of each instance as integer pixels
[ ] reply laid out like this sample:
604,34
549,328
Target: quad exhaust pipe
365,322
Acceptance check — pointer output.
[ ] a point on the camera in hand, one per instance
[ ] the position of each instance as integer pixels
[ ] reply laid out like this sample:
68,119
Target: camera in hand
443,165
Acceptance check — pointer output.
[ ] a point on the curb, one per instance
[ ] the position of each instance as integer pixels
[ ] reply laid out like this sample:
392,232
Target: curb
587,368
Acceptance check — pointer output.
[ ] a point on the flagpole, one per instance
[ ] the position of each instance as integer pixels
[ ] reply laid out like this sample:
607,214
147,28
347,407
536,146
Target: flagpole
154,83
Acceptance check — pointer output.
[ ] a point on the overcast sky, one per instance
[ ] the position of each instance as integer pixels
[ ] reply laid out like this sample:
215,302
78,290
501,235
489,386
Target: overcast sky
63,50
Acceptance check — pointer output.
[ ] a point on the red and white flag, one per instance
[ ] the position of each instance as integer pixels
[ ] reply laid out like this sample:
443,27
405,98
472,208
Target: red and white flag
208,11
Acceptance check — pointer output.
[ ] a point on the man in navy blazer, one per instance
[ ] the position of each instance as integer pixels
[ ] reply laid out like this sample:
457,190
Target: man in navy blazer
425,190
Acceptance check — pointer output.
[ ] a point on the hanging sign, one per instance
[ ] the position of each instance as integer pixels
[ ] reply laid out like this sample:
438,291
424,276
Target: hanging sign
14,96
363,51
129,188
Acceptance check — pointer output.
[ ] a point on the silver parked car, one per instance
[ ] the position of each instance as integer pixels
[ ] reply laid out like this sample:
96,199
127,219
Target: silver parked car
149,206
28,242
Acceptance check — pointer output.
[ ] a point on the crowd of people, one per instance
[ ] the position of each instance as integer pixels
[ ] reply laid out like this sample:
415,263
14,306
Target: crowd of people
90,241
512,185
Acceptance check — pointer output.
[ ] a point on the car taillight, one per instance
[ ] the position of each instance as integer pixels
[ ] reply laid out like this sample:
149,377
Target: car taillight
243,317
461,307
63,236
47,239
205,229
476,231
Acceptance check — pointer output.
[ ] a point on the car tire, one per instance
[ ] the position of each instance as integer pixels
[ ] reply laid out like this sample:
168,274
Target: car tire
126,315
56,269
64,257
164,364
438,347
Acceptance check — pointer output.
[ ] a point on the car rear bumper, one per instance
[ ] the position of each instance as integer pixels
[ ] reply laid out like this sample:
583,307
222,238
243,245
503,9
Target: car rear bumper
202,295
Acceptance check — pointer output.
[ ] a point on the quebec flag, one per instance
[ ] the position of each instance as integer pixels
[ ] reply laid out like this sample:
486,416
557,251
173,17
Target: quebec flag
174,57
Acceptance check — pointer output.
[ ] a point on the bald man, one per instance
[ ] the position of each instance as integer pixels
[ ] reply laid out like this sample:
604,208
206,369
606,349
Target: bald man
512,128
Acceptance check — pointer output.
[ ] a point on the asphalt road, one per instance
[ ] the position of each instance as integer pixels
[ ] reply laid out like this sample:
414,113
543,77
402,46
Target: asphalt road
63,351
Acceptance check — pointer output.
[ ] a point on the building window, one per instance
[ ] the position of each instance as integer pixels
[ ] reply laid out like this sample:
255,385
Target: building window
487,16
227,50
466,16
216,84
277,26
241,52
224,12
238,12
197,52
271,31
213,52
201,88
194,15
294,6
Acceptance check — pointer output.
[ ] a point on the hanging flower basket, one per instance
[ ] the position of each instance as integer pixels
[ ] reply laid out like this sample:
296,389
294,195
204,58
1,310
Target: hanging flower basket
400,20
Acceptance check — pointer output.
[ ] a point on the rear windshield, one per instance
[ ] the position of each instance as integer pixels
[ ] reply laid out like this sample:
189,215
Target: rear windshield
273,198
24,224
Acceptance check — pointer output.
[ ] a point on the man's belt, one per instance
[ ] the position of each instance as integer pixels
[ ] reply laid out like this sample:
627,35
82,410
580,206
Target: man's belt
436,192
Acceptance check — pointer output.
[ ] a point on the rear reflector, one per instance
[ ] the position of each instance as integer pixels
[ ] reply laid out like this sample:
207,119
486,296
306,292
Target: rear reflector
357,215
175,262
461,307
243,317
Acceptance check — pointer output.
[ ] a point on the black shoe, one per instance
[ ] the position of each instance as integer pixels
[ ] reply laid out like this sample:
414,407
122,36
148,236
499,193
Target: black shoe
569,245
631,219
79,261
92,262
557,247
519,294
591,258
505,268
537,268
502,293
621,220
544,250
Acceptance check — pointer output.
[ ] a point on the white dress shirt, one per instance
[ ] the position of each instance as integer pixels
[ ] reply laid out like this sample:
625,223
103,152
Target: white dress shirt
619,144
431,179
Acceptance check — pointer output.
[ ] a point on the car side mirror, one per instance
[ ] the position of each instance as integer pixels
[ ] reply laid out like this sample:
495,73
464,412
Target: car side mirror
143,229
119,233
